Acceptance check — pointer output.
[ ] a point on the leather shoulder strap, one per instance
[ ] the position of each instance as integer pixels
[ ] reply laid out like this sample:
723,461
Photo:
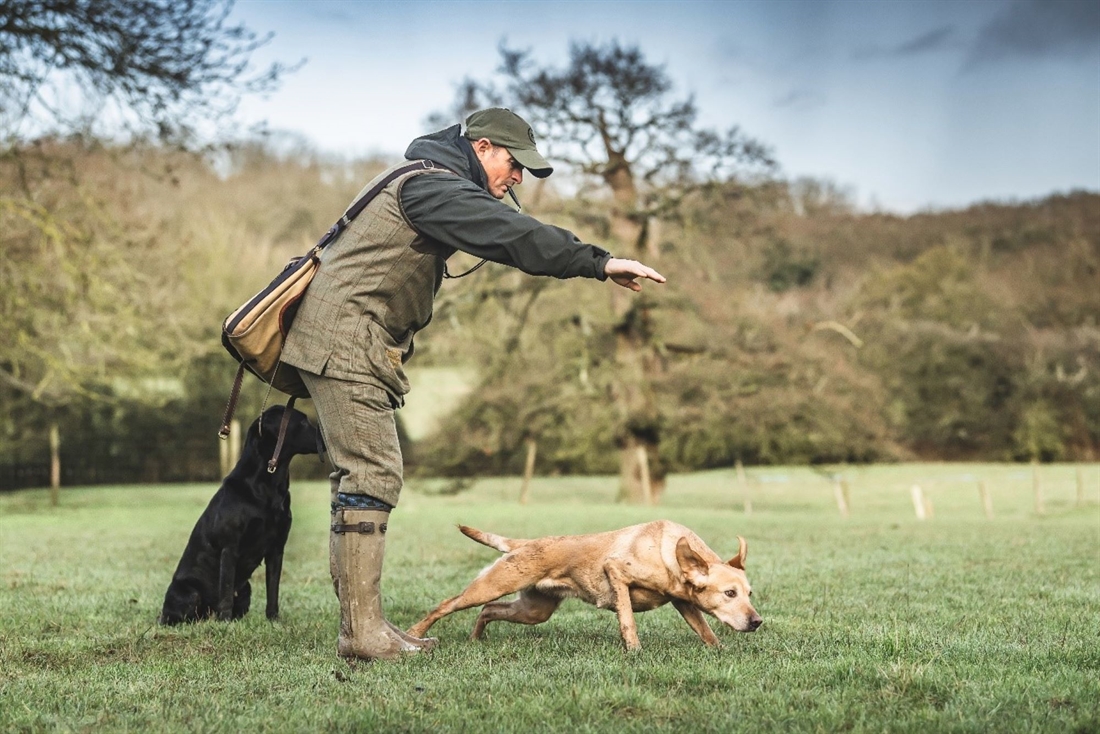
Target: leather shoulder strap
361,203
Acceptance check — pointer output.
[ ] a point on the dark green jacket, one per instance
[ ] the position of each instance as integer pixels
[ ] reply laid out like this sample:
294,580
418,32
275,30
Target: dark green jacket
377,282
460,213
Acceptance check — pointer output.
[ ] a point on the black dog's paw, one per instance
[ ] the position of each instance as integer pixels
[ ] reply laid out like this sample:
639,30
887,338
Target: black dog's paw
242,600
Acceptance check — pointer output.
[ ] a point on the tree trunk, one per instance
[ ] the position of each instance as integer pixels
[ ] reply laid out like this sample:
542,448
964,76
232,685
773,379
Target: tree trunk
634,355
638,483
637,412
651,240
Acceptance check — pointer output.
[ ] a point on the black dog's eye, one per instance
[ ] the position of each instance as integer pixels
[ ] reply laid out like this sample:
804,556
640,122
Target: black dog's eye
731,593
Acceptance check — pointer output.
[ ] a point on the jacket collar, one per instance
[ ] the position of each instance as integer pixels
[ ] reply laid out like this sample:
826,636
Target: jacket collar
476,169
450,148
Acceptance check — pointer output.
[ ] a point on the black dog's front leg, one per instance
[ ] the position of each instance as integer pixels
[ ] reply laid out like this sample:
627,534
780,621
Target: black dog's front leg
226,579
273,565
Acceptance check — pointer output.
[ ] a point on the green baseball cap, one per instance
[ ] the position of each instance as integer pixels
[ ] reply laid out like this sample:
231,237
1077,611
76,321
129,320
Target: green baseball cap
505,128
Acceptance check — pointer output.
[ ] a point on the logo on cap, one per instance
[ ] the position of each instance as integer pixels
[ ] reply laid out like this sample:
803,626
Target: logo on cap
531,134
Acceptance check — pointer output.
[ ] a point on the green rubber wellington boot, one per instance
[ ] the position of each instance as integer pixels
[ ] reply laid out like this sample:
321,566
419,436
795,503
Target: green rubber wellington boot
356,550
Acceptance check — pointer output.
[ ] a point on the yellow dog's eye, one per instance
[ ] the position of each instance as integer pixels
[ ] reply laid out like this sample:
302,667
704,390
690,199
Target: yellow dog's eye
731,593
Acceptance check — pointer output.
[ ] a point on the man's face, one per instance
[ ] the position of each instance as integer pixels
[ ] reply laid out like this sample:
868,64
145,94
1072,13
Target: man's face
501,169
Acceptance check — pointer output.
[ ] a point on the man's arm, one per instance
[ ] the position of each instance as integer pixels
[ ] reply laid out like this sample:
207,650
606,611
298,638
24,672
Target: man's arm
460,214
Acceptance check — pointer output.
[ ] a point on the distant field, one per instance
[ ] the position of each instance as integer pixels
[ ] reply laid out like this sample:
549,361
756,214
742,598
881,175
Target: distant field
877,622
436,391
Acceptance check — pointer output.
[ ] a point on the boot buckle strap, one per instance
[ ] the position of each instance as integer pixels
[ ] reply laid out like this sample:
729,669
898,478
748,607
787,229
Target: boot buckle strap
363,528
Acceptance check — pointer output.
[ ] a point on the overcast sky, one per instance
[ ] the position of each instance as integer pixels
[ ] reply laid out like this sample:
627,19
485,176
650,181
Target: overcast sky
910,103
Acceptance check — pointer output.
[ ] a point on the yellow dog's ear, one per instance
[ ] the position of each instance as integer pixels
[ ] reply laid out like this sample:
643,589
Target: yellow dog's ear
693,565
738,561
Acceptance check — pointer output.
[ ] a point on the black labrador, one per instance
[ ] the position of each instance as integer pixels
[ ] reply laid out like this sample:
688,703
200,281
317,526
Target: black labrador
247,521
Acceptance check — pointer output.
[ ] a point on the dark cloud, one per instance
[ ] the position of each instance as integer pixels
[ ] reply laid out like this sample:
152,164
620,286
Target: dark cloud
1036,29
933,40
801,99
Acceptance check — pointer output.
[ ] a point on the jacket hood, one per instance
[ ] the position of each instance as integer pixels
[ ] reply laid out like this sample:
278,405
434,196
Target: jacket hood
449,148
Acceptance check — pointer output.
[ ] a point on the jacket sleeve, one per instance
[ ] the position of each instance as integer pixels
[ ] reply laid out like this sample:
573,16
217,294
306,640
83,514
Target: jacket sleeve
460,214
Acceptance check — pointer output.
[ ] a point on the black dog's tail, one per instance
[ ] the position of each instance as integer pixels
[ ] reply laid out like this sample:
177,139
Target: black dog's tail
502,544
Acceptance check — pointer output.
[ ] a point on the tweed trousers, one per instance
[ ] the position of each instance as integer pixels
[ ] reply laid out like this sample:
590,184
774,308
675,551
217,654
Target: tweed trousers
360,432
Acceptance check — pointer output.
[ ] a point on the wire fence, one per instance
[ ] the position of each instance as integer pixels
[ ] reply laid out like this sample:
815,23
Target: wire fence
155,459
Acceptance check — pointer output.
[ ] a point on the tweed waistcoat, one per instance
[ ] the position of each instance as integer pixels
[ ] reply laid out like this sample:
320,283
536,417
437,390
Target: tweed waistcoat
373,292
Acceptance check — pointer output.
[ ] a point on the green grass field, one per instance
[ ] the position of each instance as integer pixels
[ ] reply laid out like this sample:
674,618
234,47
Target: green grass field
877,622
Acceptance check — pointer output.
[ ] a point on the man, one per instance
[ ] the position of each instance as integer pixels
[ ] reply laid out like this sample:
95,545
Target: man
374,291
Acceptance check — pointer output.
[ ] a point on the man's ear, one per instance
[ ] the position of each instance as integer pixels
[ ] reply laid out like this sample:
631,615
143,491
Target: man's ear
691,563
738,561
482,146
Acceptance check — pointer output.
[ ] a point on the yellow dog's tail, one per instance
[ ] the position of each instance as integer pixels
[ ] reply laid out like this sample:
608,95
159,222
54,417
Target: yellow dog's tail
502,544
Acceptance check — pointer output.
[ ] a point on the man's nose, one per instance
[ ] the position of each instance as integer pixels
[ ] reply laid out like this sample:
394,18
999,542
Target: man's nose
518,176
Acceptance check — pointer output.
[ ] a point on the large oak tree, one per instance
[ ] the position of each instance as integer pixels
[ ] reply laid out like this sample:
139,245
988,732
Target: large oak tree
614,118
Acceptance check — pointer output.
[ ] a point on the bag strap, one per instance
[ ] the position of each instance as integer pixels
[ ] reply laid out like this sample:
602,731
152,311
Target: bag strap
274,463
361,203
231,406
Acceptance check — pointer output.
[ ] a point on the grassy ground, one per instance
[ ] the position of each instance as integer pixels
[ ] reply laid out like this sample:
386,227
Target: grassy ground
874,623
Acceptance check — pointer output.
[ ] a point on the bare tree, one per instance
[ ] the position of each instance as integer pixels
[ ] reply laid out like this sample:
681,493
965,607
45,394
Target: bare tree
154,66
612,117
609,114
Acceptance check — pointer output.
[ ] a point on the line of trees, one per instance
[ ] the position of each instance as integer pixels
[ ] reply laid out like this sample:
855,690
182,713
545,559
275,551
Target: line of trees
904,341
791,330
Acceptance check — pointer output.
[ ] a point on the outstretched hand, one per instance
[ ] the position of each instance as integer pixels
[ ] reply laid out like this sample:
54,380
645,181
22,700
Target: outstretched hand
624,273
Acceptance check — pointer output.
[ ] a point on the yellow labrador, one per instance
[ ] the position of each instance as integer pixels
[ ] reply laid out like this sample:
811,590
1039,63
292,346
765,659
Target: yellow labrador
634,569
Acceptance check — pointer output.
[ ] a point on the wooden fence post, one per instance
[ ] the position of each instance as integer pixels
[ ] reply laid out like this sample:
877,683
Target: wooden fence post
987,501
743,481
918,502
643,468
528,470
55,465
234,443
1037,486
841,497
223,456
